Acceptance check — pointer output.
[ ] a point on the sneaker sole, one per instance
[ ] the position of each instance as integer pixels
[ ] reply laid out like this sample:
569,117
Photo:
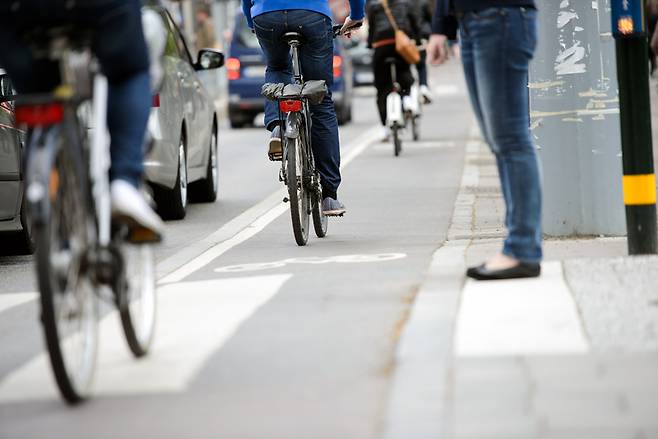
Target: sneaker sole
334,212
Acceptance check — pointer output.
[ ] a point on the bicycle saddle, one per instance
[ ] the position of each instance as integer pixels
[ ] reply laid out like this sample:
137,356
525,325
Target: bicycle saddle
293,37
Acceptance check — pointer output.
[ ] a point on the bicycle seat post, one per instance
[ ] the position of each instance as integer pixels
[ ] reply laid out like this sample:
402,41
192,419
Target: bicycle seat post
294,40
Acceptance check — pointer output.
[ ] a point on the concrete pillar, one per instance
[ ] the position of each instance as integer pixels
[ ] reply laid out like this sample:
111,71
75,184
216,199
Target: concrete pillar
574,109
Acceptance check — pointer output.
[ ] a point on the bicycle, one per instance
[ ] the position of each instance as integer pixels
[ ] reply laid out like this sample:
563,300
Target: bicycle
402,111
81,252
298,171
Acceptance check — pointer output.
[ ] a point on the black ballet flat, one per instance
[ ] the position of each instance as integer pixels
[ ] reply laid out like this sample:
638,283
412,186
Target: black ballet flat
522,270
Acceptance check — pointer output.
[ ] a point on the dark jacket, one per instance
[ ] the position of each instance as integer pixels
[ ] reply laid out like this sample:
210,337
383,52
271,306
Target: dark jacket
445,22
425,13
380,28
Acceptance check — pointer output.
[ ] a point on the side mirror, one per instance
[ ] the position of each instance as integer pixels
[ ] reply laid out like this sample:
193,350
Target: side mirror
209,59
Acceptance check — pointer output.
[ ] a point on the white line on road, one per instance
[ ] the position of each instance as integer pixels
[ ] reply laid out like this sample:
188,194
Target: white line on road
11,300
251,229
520,317
195,319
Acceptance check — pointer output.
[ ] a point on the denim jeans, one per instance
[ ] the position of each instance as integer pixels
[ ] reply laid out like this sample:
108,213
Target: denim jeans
316,59
497,46
119,45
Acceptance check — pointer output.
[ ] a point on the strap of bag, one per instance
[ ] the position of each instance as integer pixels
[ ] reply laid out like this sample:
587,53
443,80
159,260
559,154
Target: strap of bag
389,15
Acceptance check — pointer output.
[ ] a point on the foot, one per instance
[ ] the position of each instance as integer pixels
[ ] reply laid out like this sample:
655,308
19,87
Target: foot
332,207
386,134
504,267
275,151
129,205
427,94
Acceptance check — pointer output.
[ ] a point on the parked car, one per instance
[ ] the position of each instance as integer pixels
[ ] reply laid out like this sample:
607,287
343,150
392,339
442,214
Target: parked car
183,125
246,74
14,224
361,57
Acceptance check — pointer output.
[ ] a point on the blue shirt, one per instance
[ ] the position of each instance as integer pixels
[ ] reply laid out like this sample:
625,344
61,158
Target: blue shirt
254,8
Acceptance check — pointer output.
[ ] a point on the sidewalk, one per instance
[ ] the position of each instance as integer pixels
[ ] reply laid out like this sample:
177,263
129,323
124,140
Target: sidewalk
573,354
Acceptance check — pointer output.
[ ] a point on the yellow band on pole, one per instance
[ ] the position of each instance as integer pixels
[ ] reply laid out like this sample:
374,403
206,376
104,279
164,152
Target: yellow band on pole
639,189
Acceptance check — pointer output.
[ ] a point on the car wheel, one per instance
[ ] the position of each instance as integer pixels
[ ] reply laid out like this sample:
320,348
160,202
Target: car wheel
205,190
344,115
22,242
172,203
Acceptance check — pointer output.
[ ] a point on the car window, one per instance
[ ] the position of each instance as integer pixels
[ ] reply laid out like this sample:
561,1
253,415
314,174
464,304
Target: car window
180,41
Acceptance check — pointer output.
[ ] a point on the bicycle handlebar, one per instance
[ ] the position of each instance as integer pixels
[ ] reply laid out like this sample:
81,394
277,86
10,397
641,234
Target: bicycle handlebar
338,27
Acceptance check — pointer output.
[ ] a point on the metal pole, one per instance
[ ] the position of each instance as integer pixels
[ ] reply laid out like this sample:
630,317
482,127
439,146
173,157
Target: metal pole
639,181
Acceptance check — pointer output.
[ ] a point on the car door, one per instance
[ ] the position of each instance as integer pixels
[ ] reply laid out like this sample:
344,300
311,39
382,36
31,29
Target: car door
198,124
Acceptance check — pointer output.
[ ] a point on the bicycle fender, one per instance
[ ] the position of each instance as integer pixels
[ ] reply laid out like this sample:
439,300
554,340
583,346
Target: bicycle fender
293,123
41,152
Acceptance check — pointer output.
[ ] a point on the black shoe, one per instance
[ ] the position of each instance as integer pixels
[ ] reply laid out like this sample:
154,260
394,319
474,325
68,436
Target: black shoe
522,270
275,149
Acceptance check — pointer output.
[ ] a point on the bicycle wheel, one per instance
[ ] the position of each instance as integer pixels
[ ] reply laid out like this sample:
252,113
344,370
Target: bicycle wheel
397,142
320,220
136,297
69,311
297,191
415,127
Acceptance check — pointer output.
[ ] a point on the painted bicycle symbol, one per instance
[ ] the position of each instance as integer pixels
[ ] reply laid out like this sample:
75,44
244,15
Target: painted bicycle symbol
343,259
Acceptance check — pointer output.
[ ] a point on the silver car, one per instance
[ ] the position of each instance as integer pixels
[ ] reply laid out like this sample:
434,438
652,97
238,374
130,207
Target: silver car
183,125
15,230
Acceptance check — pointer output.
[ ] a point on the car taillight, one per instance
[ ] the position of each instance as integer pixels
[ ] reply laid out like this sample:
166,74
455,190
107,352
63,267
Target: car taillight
40,115
233,68
338,66
155,101
290,106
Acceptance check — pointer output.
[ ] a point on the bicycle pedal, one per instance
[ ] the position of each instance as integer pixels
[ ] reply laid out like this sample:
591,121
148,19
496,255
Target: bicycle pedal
275,157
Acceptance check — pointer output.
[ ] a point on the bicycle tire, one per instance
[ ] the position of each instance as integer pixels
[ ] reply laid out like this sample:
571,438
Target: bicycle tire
297,191
397,142
415,127
320,220
64,181
137,302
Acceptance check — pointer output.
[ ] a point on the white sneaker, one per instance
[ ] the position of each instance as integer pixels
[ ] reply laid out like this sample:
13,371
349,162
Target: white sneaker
427,94
130,205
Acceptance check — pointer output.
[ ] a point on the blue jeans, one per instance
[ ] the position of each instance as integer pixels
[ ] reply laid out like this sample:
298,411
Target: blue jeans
119,45
497,46
316,59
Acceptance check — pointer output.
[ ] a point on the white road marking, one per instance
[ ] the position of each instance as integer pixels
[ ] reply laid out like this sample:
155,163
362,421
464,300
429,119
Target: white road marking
519,317
341,259
195,319
361,144
11,300
408,144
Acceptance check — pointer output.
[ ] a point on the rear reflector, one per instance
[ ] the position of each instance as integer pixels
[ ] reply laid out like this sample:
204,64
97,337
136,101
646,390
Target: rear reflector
40,115
233,69
155,102
290,106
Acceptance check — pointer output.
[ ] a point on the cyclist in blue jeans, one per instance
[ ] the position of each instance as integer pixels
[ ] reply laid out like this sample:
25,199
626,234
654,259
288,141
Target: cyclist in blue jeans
270,19
498,39
118,42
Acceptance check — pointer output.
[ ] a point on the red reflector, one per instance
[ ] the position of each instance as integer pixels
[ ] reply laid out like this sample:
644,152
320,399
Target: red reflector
290,106
233,68
40,115
155,102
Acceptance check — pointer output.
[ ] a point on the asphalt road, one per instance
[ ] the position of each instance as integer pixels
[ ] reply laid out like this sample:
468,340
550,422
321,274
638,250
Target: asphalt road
257,337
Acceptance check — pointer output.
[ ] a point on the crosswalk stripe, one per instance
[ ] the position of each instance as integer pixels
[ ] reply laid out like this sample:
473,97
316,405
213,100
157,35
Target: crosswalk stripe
195,319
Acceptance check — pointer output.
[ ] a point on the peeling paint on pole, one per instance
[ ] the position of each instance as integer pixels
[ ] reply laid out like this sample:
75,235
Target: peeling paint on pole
574,109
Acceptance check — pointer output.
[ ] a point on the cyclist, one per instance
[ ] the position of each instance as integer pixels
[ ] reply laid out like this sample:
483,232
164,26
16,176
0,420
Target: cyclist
270,19
118,43
381,37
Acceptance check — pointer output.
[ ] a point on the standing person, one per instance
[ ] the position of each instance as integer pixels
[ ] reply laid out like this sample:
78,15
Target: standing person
270,20
205,31
498,39
381,37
